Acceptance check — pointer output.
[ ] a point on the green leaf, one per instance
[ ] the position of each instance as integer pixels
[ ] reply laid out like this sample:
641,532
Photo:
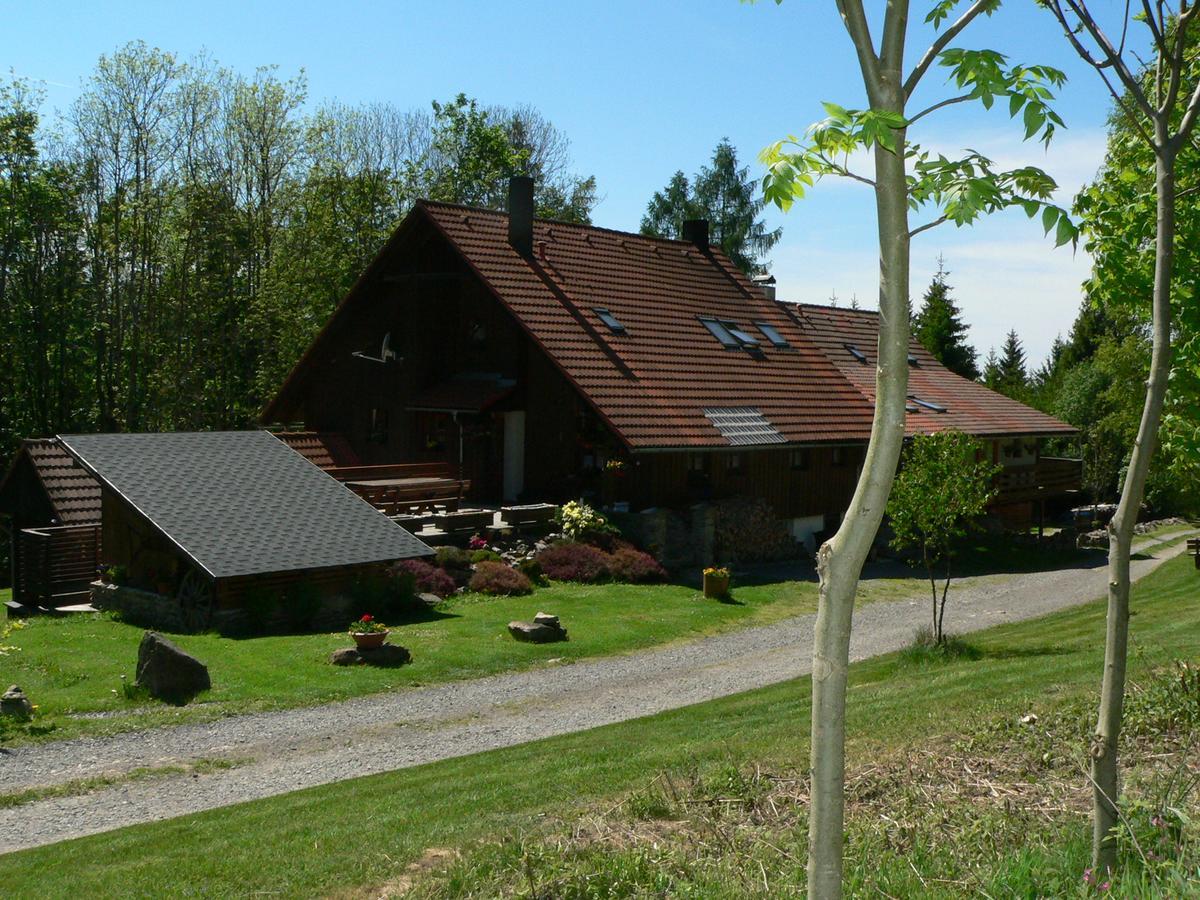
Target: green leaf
1049,217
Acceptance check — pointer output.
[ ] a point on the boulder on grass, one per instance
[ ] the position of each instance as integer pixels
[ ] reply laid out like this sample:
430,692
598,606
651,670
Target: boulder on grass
386,656
169,673
14,703
544,629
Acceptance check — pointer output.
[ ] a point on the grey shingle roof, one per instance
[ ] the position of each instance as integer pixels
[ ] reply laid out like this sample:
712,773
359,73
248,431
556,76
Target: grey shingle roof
242,502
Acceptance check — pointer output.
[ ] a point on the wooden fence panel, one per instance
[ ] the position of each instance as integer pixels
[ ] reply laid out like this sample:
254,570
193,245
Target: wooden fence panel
55,566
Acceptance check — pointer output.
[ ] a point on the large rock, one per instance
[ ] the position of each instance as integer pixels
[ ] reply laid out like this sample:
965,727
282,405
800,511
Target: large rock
168,672
14,703
386,656
544,629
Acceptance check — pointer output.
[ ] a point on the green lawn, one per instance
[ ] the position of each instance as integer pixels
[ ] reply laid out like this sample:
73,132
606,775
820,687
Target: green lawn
72,667
363,832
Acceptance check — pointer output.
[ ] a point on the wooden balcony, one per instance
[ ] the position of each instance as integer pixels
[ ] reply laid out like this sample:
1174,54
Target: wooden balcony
1049,477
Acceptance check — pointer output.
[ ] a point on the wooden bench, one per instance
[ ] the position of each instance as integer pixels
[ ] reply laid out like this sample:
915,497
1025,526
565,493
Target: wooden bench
1193,547
395,500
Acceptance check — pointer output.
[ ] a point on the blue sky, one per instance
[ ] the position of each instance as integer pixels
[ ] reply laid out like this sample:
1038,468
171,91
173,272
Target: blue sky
642,88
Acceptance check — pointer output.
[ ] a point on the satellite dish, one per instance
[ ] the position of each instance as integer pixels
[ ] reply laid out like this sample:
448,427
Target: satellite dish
386,353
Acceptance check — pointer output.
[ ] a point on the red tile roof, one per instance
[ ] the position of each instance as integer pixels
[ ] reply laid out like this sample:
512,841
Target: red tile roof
969,406
652,380
325,450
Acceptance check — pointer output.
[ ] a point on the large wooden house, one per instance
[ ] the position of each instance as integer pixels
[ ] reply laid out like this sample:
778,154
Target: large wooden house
542,360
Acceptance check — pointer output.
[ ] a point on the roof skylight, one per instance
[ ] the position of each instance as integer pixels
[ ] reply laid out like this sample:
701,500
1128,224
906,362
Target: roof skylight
721,333
613,323
856,353
743,337
913,361
773,335
928,404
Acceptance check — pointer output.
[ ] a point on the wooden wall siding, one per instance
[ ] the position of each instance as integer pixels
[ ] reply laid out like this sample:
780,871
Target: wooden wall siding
129,541
554,419
821,488
433,322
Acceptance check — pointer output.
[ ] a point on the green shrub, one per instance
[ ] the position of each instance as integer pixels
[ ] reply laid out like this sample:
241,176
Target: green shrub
453,558
532,569
485,555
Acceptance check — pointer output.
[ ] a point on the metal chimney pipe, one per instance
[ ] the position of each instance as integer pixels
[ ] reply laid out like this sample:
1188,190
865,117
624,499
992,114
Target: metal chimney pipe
696,231
520,214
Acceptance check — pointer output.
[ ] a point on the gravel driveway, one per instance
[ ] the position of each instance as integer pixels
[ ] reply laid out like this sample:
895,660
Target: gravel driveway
289,750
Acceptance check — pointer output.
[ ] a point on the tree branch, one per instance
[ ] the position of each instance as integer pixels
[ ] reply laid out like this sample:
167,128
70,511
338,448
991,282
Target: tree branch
859,30
928,225
943,40
938,106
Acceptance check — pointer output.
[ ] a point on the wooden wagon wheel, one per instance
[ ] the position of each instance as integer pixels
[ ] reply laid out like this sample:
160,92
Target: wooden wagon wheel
196,601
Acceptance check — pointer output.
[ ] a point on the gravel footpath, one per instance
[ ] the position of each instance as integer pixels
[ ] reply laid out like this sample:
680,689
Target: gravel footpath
293,749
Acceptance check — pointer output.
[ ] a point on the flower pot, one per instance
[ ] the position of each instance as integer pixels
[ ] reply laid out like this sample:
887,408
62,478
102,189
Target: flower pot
369,640
716,586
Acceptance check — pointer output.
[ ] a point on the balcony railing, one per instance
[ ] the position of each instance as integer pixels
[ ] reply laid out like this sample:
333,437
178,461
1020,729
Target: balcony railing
1049,477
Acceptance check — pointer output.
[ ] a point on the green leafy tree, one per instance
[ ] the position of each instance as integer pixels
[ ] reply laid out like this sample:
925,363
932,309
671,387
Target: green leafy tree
940,328
723,193
944,485
907,180
1159,104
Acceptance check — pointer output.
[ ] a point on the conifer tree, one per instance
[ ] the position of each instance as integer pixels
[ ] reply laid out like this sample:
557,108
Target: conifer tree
1007,373
725,195
940,328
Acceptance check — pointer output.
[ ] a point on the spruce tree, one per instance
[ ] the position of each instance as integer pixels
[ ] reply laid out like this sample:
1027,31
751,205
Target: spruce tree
940,329
1010,375
725,195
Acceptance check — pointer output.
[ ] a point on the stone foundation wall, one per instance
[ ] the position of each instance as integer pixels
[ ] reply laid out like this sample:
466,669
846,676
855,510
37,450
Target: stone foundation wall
141,607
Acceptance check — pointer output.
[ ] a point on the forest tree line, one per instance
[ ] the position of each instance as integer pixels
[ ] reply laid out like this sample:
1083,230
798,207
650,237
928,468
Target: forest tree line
172,242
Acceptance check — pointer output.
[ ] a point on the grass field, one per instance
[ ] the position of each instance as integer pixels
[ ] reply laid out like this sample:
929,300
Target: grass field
73,667
339,838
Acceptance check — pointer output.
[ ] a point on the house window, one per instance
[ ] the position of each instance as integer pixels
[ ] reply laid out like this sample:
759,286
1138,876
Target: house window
735,463
378,431
855,352
698,462
799,459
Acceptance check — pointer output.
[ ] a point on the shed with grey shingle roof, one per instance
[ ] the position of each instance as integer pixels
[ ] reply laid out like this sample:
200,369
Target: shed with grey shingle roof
235,508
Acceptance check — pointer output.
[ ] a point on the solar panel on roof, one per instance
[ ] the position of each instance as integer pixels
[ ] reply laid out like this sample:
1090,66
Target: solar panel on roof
743,425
